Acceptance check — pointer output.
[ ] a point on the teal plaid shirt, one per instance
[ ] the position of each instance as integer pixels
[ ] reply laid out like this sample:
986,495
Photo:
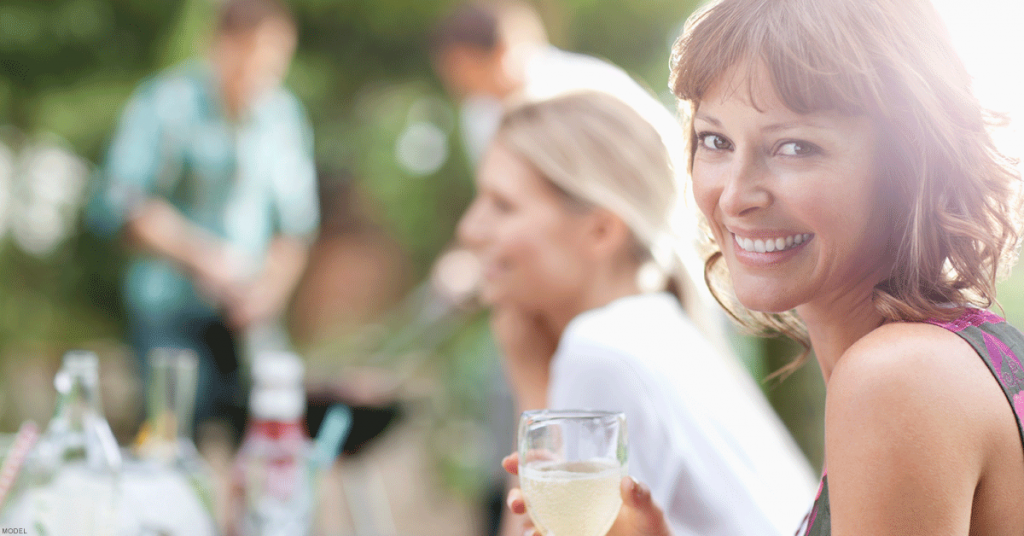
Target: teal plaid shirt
246,180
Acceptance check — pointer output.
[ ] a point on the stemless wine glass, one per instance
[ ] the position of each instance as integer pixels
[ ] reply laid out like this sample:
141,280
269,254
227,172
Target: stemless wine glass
570,466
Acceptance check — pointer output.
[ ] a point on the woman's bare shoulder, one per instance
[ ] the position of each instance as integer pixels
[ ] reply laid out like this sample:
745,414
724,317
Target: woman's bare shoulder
911,362
910,354
910,427
919,390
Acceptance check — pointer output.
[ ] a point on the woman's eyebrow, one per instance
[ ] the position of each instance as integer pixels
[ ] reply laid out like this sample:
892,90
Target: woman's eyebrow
702,116
803,123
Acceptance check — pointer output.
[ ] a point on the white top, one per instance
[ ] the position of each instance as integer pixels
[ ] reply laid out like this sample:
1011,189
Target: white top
716,456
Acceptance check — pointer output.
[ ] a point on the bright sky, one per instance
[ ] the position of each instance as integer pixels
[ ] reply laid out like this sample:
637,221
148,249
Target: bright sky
990,37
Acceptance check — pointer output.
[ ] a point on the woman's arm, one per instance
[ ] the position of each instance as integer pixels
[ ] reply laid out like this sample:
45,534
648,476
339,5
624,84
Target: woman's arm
904,450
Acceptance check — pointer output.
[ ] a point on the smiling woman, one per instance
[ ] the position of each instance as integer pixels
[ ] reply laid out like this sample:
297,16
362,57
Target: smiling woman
856,201
936,172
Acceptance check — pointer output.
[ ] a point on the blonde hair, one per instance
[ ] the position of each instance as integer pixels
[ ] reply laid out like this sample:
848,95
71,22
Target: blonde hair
600,152
954,198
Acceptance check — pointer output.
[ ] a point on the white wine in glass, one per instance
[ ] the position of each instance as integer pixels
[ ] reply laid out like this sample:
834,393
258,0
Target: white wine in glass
570,466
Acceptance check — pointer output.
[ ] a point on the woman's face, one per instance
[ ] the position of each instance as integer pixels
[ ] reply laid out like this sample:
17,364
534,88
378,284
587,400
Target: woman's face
528,241
791,198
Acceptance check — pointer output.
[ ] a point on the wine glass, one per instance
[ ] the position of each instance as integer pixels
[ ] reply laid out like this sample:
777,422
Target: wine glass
570,465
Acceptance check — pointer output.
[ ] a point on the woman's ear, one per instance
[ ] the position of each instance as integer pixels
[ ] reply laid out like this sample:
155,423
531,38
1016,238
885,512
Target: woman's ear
607,233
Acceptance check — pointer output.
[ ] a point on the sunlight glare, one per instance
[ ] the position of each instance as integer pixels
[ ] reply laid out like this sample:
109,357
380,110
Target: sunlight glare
989,35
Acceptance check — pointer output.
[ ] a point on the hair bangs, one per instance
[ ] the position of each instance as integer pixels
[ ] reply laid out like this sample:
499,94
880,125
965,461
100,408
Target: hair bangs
813,65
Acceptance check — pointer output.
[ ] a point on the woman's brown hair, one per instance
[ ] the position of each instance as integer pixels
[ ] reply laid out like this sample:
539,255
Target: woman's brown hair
952,196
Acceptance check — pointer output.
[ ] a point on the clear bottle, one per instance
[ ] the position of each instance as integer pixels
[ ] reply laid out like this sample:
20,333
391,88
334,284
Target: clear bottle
273,477
71,481
166,435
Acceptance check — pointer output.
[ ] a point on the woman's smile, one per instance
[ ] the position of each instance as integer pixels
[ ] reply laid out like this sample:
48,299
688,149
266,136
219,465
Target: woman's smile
769,251
770,245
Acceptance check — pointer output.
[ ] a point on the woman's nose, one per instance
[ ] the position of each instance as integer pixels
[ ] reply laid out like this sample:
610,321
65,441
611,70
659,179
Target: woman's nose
470,227
745,187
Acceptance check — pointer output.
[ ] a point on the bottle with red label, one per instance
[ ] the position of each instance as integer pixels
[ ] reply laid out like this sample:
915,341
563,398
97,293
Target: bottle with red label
273,478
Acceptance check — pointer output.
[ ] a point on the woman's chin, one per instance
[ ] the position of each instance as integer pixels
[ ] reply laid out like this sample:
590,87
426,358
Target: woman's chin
764,304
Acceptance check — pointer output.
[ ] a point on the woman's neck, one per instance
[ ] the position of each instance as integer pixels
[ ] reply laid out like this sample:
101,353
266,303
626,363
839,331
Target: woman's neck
835,325
599,294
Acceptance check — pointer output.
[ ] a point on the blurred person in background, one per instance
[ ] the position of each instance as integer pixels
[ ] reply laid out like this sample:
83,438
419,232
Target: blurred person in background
491,55
480,51
210,179
572,223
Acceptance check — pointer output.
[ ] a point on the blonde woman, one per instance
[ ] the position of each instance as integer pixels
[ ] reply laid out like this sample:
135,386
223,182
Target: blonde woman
857,203
573,205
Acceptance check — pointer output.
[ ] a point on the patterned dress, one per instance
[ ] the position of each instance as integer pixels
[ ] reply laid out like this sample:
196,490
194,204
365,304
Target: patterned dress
998,344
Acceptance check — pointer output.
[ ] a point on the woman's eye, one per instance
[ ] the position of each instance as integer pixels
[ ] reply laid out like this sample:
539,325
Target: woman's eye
714,142
796,148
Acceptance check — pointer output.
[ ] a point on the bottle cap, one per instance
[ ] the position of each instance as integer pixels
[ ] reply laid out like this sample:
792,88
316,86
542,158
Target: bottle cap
80,360
78,363
277,368
277,392
277,404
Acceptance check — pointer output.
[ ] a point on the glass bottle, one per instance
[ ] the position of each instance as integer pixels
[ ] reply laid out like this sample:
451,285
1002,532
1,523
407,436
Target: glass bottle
273,477
71,480
170,405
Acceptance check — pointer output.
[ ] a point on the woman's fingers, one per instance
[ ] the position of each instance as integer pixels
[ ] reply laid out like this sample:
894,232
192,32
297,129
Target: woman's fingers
511,463
515,501
635,494
640,513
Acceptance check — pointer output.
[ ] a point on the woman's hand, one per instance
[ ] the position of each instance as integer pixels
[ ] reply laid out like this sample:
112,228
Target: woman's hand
527,346
639,515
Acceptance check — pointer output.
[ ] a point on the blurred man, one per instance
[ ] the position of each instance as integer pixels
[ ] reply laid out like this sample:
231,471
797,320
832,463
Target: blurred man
492,55
210,178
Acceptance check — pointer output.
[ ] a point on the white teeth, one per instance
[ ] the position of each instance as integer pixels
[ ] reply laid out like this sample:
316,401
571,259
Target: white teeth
771,244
